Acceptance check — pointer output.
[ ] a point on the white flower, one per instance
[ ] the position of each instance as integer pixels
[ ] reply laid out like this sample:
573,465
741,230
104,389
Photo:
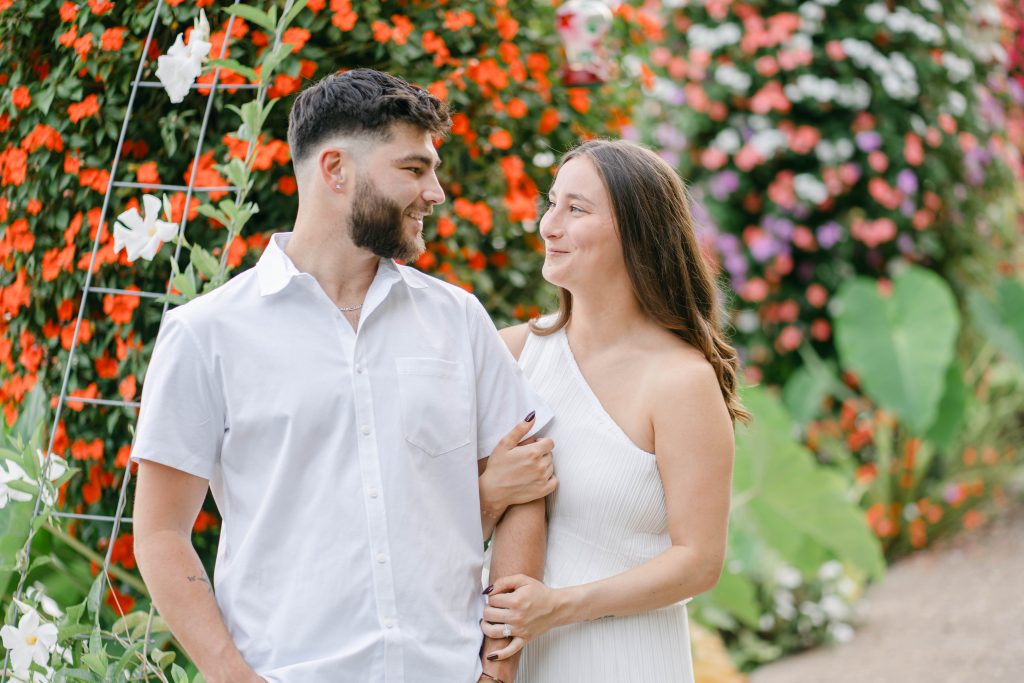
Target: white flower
841,633
788,577
55,469
12,473
835,607
809,188
830,571
142,236
36,593
202,28
543,159
30,642
876,12
182,64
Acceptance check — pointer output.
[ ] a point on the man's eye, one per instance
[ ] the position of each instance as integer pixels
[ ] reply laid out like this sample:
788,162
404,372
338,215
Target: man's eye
415,170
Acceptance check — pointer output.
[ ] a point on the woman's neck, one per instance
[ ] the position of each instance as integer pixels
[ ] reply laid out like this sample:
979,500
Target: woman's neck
605,318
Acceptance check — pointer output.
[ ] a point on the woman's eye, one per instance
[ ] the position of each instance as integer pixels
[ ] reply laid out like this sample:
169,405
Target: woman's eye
575,210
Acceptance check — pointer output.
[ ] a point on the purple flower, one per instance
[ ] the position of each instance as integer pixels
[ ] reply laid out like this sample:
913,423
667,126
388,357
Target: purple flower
763,247
906,181
670,157
728,244
908,207
723,184
905,243
736,265
669,136
829,234
868,140
780,227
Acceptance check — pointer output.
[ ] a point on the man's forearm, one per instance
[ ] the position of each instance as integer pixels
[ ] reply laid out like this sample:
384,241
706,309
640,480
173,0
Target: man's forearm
519,547
183,594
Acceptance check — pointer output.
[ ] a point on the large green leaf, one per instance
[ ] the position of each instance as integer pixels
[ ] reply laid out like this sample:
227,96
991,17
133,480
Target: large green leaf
1002,320
793,504
952,407
900,344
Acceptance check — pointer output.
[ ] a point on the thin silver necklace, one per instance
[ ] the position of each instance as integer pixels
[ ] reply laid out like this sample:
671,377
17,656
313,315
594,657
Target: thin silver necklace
348,309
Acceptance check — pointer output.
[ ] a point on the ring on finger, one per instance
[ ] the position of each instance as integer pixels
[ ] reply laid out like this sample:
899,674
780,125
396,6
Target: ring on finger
506,630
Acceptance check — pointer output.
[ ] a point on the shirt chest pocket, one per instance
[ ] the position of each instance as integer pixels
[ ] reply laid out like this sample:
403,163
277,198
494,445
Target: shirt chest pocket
434,401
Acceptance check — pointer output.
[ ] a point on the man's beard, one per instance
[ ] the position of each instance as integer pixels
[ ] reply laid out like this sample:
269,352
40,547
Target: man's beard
377,222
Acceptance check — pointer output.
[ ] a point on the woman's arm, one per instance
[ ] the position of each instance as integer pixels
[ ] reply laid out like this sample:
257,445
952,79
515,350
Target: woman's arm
694,443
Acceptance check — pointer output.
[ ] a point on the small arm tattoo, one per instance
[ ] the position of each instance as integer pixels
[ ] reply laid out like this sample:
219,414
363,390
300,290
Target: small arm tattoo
200,579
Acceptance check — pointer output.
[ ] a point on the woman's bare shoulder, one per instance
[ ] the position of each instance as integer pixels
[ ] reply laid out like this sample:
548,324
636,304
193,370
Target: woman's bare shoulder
515,338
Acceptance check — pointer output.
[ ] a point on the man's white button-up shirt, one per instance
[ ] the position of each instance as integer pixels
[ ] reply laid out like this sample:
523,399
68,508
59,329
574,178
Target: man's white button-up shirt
343,464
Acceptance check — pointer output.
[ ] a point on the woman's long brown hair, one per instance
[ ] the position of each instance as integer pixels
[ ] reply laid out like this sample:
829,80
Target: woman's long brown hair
670,278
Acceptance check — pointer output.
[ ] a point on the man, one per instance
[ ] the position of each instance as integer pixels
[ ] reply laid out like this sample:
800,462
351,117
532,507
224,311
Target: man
334,402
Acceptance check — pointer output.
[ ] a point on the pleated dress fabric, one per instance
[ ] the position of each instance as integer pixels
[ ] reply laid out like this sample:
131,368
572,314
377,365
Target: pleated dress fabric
606,517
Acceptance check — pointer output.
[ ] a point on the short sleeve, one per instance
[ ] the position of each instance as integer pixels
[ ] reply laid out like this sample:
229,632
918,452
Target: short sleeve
504,396
181,423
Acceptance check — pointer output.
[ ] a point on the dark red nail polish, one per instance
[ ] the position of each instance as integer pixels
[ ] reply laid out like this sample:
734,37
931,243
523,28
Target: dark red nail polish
533,414
492,656
487,591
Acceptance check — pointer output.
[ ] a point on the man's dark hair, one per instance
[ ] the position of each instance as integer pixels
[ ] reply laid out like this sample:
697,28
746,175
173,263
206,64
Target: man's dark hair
361,102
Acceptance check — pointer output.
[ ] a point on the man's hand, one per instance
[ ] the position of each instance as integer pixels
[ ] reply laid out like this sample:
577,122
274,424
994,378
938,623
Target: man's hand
517,472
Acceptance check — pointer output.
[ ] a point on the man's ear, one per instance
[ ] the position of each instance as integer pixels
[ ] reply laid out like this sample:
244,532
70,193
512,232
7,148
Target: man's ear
332,165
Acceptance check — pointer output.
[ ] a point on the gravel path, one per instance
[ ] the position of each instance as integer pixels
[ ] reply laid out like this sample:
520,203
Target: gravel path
954,614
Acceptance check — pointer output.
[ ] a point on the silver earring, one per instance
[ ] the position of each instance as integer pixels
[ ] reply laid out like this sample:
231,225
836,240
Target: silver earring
337,186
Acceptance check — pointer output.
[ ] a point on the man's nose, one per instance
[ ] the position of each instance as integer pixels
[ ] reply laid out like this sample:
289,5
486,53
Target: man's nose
434,193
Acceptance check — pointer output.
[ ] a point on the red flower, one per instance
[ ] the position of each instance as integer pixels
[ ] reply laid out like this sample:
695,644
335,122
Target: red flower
13,166
120,308
43,136
83,45
68,12
106,367
20,97
113,39
84,109
127,388
147,173
296,37
100,7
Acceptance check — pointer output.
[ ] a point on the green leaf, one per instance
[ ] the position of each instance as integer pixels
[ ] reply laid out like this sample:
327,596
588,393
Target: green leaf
186,283
271,60
1002,320
256,16
950,418
44,99
783,497
92,603
161,658
293,12
237,67
15,523
900,345
32,413
203,261
736,594
178,674
24,486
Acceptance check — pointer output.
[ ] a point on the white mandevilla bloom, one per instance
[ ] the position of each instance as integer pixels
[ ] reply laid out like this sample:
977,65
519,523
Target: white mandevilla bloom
142,237
11,471
181,66
31,641
55,469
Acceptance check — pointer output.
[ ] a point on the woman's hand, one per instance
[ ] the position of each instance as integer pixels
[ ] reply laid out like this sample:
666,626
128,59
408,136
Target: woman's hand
526,606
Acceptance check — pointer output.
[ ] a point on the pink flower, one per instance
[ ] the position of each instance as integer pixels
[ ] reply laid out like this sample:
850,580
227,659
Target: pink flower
747,158
913,150
873,233
713,159
834,50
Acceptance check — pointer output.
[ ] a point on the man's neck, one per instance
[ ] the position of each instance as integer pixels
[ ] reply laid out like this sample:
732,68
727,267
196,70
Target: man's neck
343,270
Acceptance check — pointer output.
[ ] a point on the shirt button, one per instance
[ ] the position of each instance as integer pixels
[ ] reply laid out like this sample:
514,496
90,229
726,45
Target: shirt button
365,429
388,623
359,368
382,558
373,493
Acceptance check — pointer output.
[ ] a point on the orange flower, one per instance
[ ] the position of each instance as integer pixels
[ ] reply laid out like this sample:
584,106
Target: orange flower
83,45
15,295
516,108
120,308
973,519
121,603
127,388
147,173
501,139
344,18
68,12
100,7
21,237
286,185
579,99
113,39
91,391
296,37
20,97
445,227
71,164
87,450
106,367
80,110
507,26
43,135
548,121
454,20
403,27
381,31
67,39
67,334
315,5
204,520
207,176
284,85
94,178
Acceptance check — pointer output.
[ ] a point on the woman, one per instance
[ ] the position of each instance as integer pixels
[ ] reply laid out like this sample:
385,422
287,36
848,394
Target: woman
643,385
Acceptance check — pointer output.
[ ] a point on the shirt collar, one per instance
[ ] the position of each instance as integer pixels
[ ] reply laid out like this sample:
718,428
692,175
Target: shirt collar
275,270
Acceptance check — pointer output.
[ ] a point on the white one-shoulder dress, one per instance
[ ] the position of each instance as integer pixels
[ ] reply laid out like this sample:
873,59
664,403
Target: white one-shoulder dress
606,517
